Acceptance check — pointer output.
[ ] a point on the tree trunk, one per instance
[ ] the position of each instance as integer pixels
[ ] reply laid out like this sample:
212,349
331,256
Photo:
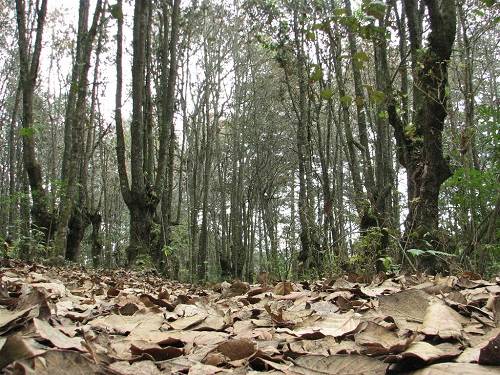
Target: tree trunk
74,140
42,218
96,243
420,149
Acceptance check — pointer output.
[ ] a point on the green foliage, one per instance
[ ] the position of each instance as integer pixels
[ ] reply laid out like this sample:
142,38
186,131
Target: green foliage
30,246
317,74
360,58
310,35
115,11
410,131
144,262
27,132
389,264
374,8
346,100
377,96
326,94
178,248
473,188
489,3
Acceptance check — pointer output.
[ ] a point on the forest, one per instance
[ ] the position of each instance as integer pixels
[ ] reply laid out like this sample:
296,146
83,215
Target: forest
283,187
219,140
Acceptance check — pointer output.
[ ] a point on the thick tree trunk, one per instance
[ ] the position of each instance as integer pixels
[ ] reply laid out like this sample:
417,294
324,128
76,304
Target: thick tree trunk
141,222
421,151
74,150
76,230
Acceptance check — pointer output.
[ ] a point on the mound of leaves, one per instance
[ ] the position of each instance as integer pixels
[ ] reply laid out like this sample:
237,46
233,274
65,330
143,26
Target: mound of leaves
70,321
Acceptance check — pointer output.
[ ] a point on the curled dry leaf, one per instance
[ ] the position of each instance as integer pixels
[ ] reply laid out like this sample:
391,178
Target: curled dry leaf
16,348
442,321
237,349
378,340
283,288
321,346
486,352
12,319
422,353
155,351
56,337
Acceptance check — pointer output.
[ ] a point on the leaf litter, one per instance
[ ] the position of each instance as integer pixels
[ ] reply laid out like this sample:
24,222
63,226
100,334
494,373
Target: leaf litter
72,321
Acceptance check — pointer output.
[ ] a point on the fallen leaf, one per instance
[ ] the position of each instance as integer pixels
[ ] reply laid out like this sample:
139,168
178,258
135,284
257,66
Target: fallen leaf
136,368
407,308
283,288
56,337
63,362
422,353
335,325
237,349
16,347
378,340
442,321
457,368
338,365
155,351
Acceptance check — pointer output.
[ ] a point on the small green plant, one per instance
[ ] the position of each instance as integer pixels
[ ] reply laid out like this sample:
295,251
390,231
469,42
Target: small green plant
390,266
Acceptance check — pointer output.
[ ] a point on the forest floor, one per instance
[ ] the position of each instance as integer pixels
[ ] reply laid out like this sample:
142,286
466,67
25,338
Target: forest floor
72,321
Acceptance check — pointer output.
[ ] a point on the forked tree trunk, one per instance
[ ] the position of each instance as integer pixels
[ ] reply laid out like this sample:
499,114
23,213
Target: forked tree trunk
420,150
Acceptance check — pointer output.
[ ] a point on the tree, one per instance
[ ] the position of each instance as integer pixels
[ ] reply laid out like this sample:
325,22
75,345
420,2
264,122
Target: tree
420,143
29,63
72,200
143,194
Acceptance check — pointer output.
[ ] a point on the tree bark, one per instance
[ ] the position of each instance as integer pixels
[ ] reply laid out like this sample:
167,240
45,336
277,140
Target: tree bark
42,219
420,150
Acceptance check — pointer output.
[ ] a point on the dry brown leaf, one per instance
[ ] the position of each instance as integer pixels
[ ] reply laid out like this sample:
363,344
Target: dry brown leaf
63,362
187,322
237,288
56,337
235,331
12,319
211,323
283,288
493,305
407,308
338,365
237,349
442,321
155,351
335,325
457,368
136,368
201,369
486,353
421,353
378,340
121,324
321,346
16,347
